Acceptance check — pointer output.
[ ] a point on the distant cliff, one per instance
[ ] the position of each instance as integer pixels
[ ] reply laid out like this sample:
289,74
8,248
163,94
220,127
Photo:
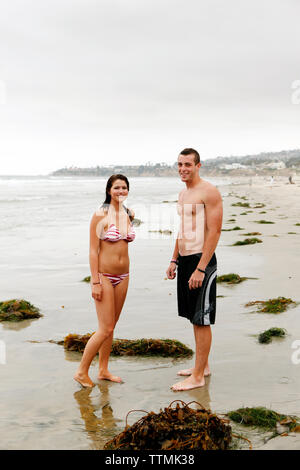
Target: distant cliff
284,162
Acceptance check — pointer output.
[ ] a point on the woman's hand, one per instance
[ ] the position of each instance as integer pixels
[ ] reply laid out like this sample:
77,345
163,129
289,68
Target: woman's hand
196,280
171,271
97,291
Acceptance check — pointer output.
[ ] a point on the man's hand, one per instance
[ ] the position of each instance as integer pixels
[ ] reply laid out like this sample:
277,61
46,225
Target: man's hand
171,271
196,279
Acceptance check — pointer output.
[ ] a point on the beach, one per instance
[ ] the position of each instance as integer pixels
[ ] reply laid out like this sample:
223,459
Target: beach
44,259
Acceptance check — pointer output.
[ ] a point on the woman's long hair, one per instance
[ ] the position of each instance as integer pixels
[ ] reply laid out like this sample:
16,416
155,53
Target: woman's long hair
109,184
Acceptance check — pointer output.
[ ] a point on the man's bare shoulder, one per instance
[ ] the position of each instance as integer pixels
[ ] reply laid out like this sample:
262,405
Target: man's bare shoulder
210,192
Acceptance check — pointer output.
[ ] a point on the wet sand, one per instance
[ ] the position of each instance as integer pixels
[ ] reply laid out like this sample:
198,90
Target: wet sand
43,408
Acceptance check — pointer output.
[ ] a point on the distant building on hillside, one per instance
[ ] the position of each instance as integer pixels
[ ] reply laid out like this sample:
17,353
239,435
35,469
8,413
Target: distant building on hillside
232,166
276,165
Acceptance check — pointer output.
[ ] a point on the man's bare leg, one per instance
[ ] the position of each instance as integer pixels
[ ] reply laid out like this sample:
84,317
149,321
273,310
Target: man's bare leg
186,372
203,343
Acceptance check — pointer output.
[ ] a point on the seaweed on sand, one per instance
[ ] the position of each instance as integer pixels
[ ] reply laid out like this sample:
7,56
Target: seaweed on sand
230,229
150,347
133,347
250,233
164,232
266,336
232,278
137,222
277,305
263,222
258,205
247,241
179,428
261,417
241,204
17,310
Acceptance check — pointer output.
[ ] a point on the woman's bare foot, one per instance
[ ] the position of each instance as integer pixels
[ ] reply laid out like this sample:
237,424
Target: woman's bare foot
108,376
185,372
84,380
188,384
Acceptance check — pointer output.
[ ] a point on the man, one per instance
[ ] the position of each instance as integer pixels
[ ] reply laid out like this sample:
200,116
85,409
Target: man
200,208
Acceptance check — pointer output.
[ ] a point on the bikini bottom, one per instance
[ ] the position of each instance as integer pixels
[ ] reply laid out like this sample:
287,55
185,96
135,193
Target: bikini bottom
115,279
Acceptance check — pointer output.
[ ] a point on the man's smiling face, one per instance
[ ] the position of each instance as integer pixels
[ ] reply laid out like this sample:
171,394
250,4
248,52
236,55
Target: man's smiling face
187,168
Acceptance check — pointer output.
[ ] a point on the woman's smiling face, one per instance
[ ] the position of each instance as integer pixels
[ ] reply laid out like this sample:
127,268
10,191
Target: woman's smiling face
119,190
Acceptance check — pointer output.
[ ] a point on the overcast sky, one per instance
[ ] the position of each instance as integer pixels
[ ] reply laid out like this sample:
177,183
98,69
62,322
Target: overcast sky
97,82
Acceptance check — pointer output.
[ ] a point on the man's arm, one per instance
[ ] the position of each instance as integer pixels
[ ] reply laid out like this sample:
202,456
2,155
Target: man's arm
213,216
171,271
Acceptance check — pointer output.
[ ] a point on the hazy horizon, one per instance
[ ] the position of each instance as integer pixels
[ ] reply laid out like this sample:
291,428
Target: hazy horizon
87,83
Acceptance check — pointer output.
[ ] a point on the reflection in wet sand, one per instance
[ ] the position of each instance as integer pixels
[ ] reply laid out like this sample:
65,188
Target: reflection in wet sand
99,430
18,325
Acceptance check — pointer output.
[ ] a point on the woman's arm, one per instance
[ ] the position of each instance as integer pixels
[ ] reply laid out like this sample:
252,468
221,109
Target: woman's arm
94,246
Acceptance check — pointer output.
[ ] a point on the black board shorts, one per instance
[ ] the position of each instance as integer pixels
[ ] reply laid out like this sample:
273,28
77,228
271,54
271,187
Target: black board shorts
198,305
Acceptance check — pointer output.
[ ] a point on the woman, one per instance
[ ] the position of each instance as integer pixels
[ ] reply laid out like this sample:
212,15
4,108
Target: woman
110,232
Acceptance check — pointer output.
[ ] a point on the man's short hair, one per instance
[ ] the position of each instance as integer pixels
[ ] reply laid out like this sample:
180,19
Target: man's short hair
191,152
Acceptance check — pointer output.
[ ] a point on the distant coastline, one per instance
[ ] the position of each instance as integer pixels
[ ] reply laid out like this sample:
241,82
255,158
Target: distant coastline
285,163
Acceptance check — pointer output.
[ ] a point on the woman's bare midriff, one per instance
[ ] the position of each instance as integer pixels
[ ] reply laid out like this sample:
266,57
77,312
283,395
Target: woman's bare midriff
113,257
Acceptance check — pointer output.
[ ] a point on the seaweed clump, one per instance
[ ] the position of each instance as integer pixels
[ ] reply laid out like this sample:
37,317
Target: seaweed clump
261,417
231,278
137,222
266,336
241,204
17,310
74,342
247,241
263,222
174,429
277,305
231,229
164,232
249,234
133,347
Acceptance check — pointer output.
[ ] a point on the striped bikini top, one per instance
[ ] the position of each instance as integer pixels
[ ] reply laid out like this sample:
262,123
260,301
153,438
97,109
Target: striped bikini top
113,235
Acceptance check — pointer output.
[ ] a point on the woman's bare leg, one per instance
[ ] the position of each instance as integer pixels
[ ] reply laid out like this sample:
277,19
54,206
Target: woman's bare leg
106,320
120,292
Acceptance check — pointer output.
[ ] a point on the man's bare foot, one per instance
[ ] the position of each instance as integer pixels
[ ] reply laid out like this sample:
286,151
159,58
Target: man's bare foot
108,376
185,372
84,380
188,384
